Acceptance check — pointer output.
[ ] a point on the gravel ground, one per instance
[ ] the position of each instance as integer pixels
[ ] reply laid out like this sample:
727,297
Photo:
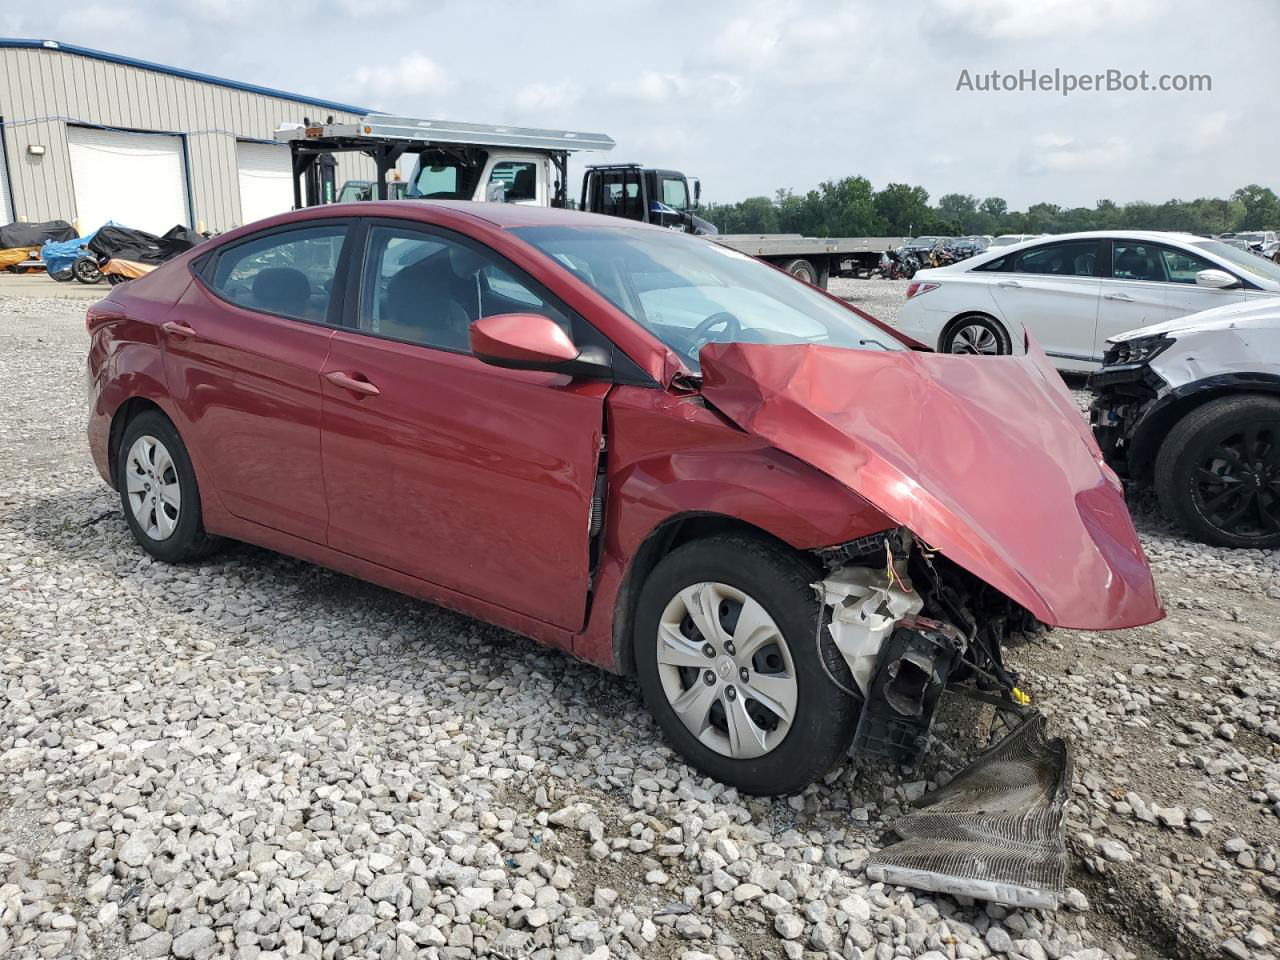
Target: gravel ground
262,759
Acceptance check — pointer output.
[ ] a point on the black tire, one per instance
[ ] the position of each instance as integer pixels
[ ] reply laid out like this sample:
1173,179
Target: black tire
62,276
86,270
1227,437
188,540
825,718
803,270
115,279
957,336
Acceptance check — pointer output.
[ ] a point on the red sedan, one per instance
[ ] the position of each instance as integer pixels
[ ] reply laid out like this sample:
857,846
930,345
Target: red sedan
643,448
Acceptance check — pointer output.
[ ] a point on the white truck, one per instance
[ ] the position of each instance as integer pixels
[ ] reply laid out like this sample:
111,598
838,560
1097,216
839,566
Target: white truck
473,161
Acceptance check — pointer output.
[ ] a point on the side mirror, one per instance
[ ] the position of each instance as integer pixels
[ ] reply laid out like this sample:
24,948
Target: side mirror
1217,279
495,192
530,341
697,191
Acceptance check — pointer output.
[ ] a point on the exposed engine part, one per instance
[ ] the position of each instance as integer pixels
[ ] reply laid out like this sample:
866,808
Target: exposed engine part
912,670
865,604
908,622
995,832
870,547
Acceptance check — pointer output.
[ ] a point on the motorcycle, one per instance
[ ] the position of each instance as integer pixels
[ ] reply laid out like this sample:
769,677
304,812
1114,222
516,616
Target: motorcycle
123,254
900,264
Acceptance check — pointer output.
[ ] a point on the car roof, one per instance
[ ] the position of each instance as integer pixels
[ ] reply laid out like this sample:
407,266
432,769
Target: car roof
508,215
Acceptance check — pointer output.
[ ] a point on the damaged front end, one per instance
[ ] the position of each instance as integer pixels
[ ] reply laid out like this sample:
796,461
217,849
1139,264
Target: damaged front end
911,626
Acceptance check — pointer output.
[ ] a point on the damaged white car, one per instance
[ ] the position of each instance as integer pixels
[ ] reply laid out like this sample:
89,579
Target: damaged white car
1192,408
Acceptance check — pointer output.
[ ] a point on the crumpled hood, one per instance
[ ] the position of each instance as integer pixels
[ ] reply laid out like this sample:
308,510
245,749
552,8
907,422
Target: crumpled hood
985,458
1263,312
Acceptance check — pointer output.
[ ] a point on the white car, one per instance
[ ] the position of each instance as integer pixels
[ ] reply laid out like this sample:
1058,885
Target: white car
1009,239
1191,408
1074,291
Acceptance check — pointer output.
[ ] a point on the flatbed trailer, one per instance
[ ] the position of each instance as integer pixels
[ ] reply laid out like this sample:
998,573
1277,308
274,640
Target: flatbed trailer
815,259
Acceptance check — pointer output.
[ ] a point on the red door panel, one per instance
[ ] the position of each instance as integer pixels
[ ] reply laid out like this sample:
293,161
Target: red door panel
469,476
247,389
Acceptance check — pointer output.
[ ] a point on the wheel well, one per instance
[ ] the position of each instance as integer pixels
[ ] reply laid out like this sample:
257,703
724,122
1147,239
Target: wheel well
1146,443
662,540
119,421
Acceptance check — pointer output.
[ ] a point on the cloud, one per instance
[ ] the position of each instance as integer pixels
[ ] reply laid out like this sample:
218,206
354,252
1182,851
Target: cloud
221,11
413,74
1021,20
1053,153
653,86
797,46
542,97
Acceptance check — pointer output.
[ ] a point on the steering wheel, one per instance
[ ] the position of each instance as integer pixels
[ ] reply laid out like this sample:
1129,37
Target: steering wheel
701,335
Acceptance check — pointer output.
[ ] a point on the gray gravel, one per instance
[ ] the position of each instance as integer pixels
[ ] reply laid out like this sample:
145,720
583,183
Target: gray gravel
262,759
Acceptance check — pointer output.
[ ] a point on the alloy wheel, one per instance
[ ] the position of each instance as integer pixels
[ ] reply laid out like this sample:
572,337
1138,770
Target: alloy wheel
726,670
151,482
1236,487
974,338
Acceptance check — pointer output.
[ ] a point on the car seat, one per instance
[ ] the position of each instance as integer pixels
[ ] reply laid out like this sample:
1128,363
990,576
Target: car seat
421,305
282,290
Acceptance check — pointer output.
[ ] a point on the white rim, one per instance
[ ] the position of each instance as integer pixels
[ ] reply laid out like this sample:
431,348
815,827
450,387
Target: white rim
151,484
975,338
726,670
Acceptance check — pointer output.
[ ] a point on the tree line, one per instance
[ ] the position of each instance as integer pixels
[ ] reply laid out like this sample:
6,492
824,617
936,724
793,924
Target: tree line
849,207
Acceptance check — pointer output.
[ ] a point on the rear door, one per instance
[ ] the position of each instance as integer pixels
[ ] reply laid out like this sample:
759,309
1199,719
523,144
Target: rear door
442,467
243,351
1053,292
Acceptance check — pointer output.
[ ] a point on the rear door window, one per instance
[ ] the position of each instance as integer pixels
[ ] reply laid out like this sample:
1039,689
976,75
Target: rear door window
1071,258
290,273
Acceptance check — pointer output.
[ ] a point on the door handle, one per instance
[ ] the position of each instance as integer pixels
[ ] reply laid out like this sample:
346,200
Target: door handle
1008,283
348,382
1122,297
177,328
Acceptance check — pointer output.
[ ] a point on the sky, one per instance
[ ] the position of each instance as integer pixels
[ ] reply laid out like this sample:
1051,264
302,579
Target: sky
753,97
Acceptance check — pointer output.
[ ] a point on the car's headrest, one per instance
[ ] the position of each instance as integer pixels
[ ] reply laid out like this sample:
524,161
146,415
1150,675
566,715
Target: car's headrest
282,289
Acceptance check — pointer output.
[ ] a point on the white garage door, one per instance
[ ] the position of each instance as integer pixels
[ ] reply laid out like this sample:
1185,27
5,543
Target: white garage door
138,180
266,180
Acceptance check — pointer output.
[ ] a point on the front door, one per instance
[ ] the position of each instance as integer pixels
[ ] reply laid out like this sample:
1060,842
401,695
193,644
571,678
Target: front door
1053,293
243,350
437,465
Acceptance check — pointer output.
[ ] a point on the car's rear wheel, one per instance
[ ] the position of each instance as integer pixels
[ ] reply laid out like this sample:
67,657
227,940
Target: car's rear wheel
1218,472
727,649
979,335
158,491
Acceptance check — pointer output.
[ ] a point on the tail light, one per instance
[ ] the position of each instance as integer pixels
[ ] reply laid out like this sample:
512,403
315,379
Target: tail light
915,289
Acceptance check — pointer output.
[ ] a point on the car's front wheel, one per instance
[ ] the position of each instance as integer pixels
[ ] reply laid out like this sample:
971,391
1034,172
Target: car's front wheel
735,668
158,491
1218,472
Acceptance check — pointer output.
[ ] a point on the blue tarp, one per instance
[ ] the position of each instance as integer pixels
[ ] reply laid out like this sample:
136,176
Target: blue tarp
60,255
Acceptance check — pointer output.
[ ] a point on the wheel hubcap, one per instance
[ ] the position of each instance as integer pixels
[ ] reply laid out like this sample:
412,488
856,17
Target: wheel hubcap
151,485
726,670
1236,487
975,338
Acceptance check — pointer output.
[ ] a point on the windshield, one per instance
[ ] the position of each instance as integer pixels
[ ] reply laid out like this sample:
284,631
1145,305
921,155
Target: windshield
689,292
1245,260
440,176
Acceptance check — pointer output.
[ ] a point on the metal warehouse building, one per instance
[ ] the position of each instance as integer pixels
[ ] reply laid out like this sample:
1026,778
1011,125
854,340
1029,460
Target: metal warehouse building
90,136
